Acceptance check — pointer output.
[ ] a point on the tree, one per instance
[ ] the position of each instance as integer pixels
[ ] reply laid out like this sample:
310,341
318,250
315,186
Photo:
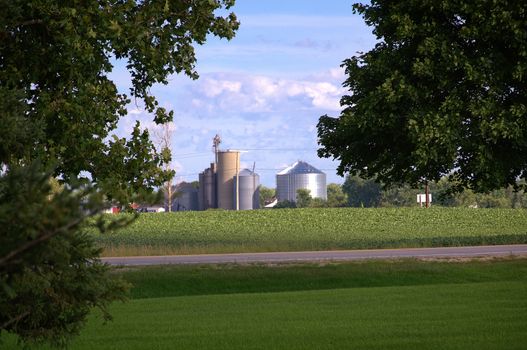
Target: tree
58,108
445,195
266,195
50,276
55,58
285,204
164,139
336,197
399,196
318,203
442,93
361,192
303,198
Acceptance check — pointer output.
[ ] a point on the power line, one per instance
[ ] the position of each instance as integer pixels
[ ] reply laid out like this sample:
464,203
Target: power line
203,154
252,149
278,149
256,170
189,154
280,169
187,157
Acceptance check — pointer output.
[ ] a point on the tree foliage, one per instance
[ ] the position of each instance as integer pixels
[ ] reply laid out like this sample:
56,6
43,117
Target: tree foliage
55,58
303,198
369,193
266,195
362,192
336,196
442,93
58,109
164,141
285,204
50,275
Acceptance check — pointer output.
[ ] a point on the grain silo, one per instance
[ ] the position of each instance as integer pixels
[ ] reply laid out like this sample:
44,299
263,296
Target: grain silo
227,167
300,175
207,188
185,197
248,194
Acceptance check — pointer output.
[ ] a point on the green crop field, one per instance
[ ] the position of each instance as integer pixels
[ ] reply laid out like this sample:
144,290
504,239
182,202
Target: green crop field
401,304
220,231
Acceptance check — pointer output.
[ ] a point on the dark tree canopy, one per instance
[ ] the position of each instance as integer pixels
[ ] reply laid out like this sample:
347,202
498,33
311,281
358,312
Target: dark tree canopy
266,195
336,196
55,57
58,109
303,198
442,93
50,274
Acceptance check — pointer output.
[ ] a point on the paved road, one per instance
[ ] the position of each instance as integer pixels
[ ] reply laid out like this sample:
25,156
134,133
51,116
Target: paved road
450,252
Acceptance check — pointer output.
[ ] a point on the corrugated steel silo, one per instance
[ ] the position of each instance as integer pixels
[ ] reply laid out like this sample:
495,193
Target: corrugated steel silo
297,176
228,166
186,197
249,190
207,188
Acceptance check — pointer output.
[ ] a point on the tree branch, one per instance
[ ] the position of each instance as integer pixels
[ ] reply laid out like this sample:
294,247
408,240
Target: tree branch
14,320
31,22
42,238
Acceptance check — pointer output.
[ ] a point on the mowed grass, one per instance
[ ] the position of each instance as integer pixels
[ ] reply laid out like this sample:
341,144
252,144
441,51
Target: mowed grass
190,280
401,304
463,316
221,231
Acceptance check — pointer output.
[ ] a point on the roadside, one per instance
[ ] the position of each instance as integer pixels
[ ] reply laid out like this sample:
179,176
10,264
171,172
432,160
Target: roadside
337,255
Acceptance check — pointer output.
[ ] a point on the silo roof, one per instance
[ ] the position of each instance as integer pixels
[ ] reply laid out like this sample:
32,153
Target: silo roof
300,167
245,172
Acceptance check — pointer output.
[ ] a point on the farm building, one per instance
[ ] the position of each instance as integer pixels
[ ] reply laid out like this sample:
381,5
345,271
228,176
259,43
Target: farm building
300,175
185,197
224,185
248,183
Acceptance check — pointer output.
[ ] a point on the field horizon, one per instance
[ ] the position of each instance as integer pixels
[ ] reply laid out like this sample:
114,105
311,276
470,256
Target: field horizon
219,231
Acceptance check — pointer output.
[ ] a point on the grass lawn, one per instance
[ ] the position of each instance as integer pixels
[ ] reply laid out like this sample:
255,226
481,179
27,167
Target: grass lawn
463,316
402,304
221,231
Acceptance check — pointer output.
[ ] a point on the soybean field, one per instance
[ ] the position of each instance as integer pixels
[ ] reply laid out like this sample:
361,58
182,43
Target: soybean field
219,231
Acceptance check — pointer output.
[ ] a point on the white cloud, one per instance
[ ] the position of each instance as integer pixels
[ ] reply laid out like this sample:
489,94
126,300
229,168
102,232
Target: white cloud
249,111
236,93
135,111
337,73
214,87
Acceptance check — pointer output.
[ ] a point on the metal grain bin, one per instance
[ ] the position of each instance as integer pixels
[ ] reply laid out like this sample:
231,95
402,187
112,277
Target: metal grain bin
186,197
297,176
249,193
228,166
207,188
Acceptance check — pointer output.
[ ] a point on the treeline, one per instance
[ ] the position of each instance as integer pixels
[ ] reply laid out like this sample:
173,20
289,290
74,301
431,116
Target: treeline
358,192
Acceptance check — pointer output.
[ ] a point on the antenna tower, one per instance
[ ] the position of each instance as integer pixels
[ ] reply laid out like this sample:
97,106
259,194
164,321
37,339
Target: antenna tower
215,146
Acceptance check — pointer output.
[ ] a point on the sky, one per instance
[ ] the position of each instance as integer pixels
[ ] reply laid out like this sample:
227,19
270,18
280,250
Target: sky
263,91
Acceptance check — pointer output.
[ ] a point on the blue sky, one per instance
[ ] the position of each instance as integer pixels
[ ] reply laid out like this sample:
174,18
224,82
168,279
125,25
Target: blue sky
264,90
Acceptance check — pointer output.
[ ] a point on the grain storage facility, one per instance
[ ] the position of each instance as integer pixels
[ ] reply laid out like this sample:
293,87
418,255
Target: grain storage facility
297,176
186,197
248,194
207,188
224,185
227,167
